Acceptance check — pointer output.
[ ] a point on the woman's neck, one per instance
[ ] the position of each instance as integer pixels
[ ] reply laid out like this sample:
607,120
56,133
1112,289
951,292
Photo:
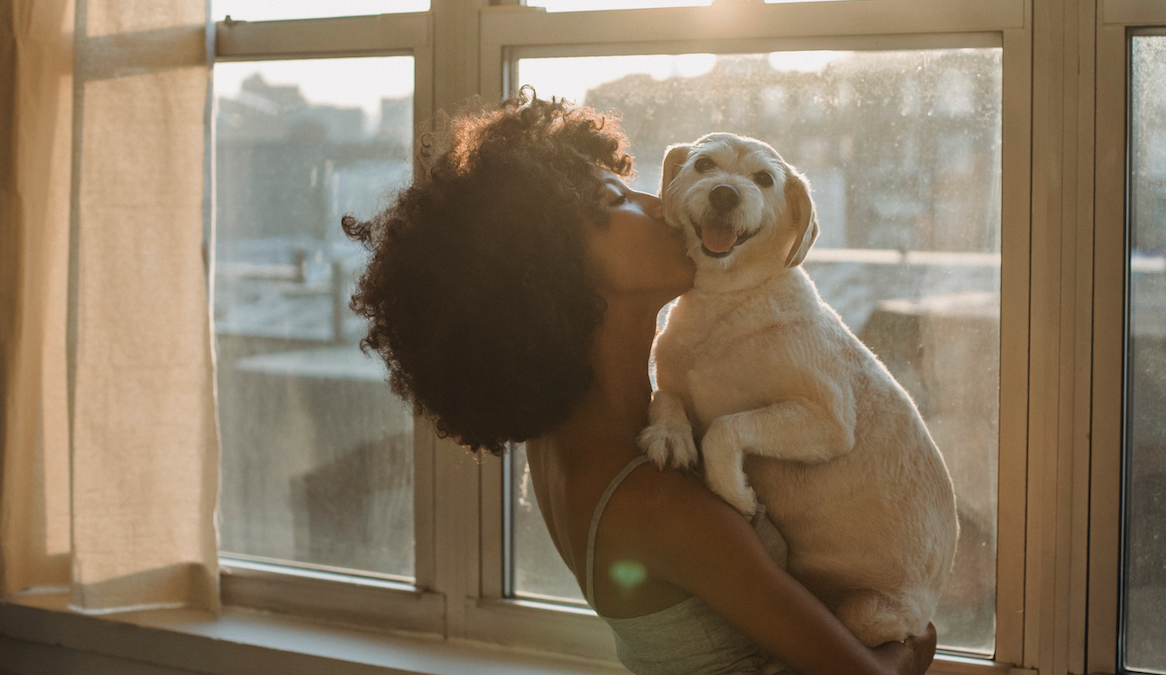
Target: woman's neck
619,358
615,408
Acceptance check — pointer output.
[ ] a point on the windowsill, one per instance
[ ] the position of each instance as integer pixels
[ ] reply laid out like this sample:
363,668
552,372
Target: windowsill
244,641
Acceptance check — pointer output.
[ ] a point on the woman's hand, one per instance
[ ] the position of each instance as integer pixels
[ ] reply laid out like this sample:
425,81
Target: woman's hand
910,657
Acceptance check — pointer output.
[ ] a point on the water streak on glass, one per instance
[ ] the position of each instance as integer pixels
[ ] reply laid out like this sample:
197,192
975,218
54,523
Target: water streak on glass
1145,527
903,152
317,460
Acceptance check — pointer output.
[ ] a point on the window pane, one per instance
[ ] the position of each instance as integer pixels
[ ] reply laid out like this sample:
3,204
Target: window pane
1146,374
267,10
542,574
595,5
903,152
317,453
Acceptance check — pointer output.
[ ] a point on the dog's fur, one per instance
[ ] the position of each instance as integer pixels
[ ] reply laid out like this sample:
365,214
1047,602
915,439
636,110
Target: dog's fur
778,389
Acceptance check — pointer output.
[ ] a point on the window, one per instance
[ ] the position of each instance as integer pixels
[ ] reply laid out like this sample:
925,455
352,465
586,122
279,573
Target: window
317,453
598,5
1034,179
1145,446
593,5
535,572
909,253
314,119
951,152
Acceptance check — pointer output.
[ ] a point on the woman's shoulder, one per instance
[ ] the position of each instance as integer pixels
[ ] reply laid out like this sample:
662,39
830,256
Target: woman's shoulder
644,531
668,515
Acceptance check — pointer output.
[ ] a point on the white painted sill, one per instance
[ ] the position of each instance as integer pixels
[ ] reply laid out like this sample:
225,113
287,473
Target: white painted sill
243,641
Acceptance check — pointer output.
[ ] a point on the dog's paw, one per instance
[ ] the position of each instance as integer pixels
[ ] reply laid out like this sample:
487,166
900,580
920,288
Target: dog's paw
669,444
730,485
722,467
744,501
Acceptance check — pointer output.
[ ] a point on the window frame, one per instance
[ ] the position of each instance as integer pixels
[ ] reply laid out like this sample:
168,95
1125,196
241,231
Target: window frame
1117,22
867,25
1062,314
366,601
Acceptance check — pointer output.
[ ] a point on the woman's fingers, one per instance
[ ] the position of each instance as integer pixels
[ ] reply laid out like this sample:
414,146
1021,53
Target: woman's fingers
923,647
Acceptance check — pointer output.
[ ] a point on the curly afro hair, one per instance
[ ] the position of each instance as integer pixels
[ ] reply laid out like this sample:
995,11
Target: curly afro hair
477,294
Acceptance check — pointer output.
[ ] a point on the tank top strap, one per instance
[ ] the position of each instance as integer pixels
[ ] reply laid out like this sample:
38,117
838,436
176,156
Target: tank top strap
589,591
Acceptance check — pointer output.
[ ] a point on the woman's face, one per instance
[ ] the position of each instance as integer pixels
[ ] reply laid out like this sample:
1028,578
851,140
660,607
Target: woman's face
637,253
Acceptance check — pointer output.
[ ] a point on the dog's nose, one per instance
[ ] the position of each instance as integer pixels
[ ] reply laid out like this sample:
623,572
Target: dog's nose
724,197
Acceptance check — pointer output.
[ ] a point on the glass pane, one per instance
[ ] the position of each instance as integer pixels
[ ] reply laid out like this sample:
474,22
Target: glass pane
595,5
1146,375
267,10
903,152
543,575
317,453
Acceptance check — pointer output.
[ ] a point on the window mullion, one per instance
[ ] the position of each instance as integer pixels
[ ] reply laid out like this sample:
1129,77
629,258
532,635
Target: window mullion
1014,328
456,500
1108,321
425,435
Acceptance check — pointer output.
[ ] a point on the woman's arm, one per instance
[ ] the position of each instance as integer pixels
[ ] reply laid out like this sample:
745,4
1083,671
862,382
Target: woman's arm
686,535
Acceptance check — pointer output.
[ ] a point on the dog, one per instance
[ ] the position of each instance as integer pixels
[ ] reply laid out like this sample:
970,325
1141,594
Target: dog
789,407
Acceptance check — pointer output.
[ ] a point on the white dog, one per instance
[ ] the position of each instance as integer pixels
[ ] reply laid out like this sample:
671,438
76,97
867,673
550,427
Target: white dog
753,362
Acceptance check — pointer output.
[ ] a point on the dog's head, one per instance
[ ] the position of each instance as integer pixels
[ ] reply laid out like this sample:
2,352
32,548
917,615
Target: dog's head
734,197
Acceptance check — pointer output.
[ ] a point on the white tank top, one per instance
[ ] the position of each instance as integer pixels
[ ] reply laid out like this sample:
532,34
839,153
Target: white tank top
687,638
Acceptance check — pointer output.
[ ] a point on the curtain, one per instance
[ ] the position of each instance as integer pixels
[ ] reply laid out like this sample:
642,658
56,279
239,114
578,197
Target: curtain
109,471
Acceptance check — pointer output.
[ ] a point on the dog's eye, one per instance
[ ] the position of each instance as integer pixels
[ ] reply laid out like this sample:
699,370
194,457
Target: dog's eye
704,164
763,179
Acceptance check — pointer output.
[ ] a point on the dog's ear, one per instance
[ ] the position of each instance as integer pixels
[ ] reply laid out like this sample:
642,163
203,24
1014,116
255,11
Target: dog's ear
674,158
802,215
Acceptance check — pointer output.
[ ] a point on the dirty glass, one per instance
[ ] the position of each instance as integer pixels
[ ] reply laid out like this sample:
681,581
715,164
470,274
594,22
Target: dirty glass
595,5
902,149
540,574
317,463
1145,488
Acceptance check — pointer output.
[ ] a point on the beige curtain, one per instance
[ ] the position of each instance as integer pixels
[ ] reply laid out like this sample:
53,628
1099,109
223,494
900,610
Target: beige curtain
110,455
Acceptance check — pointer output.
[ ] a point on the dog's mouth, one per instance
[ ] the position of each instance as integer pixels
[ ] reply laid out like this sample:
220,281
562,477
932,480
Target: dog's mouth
719,241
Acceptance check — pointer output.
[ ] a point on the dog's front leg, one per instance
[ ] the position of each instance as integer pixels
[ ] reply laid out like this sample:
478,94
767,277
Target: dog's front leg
790,430
668,437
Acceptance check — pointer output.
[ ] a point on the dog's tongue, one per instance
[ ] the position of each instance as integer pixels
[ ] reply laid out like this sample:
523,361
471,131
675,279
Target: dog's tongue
718,239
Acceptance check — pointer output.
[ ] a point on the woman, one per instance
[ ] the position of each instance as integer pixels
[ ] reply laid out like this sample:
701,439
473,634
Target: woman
513,293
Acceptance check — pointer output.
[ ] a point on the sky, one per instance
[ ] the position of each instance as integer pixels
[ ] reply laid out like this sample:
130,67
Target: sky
342,82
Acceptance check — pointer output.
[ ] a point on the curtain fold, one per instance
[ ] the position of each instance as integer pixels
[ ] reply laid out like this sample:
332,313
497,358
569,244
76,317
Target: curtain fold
110,454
